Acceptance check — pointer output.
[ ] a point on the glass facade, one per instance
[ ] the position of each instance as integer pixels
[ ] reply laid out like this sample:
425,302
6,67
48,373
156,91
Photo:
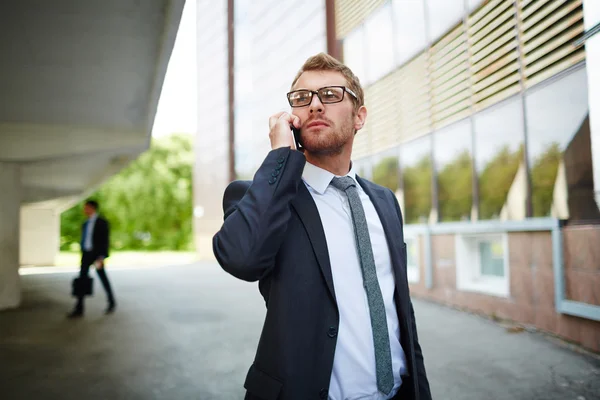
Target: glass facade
556,115
504,141
499,140
272,41
453,156
416,167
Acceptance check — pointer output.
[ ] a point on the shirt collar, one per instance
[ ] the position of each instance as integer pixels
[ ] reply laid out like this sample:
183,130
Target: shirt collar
319,178
93,217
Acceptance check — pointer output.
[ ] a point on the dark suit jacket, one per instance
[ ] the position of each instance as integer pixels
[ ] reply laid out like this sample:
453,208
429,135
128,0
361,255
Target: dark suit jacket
273,233
100,237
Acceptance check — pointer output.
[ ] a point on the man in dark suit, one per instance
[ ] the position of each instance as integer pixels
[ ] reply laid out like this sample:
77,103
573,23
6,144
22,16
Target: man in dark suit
328,251
94,250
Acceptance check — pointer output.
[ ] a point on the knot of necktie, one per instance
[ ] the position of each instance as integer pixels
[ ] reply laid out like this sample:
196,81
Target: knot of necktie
342,183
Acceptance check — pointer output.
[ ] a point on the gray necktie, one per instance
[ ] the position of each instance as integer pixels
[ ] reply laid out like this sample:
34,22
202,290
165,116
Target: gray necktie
381,338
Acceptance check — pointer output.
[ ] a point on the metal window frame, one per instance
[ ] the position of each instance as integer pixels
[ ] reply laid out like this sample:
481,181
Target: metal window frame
562,305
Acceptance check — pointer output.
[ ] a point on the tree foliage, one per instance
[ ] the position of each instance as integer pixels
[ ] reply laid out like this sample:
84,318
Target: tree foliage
496,179
148,204
543,178
455,188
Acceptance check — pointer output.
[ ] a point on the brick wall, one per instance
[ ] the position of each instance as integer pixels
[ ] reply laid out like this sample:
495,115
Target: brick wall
531,299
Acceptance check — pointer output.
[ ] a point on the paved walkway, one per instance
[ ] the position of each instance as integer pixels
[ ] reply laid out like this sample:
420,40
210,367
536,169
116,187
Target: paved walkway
190,332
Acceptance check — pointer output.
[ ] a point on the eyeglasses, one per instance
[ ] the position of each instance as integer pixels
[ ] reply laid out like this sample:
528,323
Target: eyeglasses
327,95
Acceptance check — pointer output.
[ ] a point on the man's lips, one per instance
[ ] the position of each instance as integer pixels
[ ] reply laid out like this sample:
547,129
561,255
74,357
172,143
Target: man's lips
317,123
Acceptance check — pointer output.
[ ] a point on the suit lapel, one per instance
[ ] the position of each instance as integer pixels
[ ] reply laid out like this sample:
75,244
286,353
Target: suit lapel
307,210
393,233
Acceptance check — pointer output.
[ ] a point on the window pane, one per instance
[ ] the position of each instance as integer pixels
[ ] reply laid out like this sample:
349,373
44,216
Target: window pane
453,157
385,170
416,167
411,254
363,168
492,258
354,53
380,49
499,155
556,126
442,15
411,38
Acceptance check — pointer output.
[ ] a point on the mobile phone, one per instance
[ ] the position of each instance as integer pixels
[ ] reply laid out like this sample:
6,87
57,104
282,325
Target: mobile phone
296,133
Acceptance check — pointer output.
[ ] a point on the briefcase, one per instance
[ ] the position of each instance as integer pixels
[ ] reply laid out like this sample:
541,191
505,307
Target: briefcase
82,287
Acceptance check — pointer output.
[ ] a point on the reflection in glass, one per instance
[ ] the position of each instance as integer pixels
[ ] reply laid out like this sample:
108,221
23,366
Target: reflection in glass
491,254
555,117
385,170
354,53
454,165
411,38
443,15
499,155
380,40
362,168
416,168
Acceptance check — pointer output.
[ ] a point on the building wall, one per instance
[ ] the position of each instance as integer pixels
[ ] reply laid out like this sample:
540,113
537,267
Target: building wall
212,144
531,286
273,39
479,116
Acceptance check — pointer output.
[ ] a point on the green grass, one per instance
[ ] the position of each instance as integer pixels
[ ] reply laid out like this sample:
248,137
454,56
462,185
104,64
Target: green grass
68,258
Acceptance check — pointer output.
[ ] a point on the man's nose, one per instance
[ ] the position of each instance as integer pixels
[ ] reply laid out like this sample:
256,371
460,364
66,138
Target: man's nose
315,104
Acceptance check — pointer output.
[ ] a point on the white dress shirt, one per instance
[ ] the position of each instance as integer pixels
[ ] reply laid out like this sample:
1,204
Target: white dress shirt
353,375
88,244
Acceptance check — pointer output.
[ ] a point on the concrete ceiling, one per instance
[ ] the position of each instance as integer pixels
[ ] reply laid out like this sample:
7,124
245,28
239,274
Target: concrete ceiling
79,87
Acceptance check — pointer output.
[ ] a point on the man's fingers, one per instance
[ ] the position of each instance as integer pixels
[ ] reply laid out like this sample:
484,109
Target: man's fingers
274,118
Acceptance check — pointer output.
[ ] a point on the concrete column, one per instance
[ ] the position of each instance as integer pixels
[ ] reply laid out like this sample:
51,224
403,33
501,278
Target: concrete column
591,17
10,201
40,236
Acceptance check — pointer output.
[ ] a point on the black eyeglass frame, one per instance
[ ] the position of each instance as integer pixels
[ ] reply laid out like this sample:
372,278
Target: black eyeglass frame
313,92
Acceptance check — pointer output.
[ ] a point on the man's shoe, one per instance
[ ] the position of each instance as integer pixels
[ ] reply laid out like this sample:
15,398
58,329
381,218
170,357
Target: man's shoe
75,314
110,309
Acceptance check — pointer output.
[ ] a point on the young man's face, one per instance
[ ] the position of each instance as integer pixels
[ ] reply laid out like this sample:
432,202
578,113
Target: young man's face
327,128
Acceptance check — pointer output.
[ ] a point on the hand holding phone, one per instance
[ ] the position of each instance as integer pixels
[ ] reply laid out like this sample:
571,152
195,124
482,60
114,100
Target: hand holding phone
279,125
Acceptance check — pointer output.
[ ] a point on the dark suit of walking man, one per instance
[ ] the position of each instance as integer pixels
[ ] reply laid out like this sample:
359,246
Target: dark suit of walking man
328,250
94,250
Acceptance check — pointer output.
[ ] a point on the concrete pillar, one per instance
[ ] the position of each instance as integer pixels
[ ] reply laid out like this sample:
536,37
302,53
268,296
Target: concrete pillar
40,236
591,17
10,201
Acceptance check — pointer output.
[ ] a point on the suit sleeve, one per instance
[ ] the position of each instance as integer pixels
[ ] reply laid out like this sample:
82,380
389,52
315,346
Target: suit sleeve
104,232
424,390
257,218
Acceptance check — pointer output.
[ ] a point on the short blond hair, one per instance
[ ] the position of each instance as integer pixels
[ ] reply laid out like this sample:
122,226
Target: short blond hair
325,62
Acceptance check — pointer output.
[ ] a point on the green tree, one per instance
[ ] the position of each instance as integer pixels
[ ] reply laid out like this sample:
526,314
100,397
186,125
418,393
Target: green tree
455,188
543,177
417,190
385,173
148,204
496,179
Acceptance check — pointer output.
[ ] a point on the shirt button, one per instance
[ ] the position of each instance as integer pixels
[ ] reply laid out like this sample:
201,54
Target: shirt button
323,393
332,332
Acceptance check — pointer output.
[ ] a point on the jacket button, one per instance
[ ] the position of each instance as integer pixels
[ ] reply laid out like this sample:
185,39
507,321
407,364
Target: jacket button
272,180
332,332
278,167
323,393
275,173
280,160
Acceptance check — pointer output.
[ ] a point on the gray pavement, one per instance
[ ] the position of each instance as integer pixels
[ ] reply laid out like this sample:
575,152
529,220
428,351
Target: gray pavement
190,332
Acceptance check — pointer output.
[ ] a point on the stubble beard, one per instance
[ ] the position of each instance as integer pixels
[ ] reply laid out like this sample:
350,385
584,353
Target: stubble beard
330,143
